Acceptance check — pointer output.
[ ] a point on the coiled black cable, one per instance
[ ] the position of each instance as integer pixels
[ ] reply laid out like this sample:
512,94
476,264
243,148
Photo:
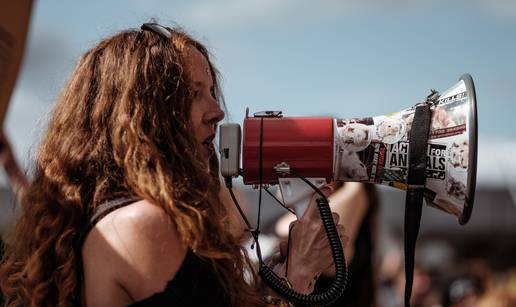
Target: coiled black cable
339,284
277,283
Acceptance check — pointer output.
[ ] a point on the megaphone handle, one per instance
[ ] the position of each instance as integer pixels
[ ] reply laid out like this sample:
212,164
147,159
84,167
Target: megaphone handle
339,284
296,193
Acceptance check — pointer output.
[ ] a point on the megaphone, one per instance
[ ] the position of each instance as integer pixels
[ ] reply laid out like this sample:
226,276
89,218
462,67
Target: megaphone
303,153
369,149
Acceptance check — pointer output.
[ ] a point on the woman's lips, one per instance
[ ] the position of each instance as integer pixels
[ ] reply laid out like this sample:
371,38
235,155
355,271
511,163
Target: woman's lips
209,139
207,146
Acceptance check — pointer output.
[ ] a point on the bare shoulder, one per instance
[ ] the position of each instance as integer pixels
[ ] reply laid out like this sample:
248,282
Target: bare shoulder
141,249
141,218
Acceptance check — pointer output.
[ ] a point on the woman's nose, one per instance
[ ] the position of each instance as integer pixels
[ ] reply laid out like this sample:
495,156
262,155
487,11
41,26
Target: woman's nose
214,114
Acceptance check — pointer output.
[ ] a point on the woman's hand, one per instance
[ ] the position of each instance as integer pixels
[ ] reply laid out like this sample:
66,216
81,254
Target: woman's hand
310,253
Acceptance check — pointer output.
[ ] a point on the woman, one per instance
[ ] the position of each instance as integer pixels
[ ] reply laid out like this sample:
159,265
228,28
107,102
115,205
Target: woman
124,207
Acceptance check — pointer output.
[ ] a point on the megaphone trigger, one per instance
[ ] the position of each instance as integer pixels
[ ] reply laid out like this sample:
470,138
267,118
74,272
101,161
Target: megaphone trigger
297,194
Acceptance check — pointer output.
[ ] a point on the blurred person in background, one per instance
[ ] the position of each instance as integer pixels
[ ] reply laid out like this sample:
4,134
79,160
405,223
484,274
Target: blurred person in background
357,205
124,206
424,293
15,176
500,290
497,298
463,291
17,180
425,288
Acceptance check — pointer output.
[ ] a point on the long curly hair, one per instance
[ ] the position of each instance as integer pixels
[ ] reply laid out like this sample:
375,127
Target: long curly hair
120,128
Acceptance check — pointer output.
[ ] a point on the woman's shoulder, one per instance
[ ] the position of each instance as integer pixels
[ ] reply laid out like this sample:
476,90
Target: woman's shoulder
140,217
140,247
141,220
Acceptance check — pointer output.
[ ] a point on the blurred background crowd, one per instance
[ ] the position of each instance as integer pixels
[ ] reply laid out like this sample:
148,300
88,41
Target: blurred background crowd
341,59
471,265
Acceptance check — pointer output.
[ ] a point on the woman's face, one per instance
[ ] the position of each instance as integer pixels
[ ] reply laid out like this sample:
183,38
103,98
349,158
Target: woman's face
205,111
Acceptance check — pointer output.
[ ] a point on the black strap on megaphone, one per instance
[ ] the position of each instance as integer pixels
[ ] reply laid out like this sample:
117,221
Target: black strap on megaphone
416,179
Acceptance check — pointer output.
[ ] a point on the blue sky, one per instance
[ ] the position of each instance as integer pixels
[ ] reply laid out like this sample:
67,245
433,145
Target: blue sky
307,58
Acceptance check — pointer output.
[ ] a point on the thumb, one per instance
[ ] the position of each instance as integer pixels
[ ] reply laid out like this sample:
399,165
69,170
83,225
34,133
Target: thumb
312,210
283,248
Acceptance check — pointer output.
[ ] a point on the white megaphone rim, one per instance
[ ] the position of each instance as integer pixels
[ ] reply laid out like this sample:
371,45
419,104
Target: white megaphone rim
473,148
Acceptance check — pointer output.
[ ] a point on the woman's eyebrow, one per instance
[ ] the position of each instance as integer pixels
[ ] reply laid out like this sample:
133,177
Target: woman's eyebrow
198,83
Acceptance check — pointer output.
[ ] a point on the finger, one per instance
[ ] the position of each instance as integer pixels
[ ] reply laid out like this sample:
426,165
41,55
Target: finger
283,248
344,239
341,229
312,211
334,186
291,225
327,189
336,217
342,234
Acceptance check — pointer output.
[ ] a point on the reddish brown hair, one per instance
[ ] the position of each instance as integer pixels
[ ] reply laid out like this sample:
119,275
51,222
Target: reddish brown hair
119,128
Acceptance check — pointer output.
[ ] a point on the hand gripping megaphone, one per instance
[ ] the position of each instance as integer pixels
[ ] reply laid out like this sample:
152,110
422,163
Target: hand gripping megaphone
430,150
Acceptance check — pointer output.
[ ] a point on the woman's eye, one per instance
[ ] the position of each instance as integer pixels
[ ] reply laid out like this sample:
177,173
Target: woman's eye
196,94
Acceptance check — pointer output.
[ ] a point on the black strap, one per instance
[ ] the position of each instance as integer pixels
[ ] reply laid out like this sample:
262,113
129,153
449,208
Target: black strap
100,212
416,179
104,209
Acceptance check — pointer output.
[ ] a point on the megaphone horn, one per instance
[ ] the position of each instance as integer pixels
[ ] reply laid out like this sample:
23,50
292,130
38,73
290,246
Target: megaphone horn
369,149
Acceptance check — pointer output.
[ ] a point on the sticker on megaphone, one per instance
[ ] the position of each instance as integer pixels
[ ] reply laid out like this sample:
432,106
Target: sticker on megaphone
376,149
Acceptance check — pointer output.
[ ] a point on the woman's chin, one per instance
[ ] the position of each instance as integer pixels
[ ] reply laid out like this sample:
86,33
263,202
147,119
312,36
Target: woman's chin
205,153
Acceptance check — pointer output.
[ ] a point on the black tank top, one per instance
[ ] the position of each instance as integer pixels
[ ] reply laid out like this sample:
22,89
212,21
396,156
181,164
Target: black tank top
195,283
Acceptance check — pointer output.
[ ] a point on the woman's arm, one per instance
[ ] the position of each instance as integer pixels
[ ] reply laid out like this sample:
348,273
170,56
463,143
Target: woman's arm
351,203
